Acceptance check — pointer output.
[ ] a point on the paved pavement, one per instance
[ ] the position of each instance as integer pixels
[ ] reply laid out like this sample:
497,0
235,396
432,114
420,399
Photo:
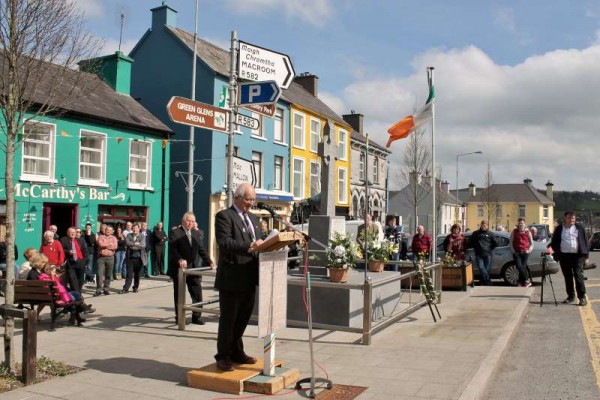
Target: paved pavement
132,349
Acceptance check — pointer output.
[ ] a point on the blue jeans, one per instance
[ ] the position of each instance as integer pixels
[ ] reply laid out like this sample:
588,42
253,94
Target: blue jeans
89,268
521,261
120,263
3,269
484,263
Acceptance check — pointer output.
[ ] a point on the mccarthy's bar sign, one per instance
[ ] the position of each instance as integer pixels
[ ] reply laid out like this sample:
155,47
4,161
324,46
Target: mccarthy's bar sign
64,193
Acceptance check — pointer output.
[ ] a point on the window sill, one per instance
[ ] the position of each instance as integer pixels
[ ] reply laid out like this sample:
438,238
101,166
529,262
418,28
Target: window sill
264,139
92,183
280,143
144,188
37,179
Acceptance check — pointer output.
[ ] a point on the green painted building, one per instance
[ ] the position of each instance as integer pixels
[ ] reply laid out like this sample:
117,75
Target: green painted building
105,159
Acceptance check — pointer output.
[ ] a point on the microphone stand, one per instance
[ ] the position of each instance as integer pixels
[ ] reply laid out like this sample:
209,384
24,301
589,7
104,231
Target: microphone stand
312,379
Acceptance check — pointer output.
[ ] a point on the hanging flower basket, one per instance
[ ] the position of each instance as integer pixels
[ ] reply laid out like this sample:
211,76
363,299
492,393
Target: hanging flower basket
339,275
376,265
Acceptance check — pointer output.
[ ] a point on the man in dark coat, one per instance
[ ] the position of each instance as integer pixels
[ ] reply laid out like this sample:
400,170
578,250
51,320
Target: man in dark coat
76,259
571,249
238,234
483,242
186,251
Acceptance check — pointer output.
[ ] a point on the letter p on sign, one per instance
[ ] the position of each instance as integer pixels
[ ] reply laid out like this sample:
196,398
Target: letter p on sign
254,92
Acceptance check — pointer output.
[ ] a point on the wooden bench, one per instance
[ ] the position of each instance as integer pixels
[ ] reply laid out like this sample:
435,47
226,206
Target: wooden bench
32,293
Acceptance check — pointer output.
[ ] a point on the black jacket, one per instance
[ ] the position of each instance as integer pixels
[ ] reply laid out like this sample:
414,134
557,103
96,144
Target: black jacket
483,242
582,243
65,241
180,249
238,269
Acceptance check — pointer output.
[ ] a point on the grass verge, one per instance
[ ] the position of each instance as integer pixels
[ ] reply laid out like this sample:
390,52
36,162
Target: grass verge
45,369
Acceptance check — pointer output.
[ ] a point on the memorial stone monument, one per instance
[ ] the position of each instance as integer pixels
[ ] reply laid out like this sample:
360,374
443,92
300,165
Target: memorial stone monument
321,227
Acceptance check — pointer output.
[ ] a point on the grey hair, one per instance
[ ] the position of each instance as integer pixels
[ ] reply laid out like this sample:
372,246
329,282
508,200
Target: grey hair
49,233
240,191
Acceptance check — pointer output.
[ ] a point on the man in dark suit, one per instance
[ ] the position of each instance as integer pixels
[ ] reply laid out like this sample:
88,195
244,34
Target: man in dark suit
76,258
571,249
186,251
237,233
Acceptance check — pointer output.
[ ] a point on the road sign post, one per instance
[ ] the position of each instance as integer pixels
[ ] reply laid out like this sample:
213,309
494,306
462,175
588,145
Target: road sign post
194,113
258,93
259,64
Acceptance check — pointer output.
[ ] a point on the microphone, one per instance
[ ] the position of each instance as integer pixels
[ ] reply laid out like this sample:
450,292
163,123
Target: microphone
268,208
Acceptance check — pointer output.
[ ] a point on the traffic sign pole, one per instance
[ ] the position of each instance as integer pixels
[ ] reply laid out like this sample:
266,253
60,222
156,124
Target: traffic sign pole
232,111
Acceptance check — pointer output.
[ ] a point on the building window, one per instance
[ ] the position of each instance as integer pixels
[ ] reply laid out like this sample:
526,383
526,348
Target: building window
546,212
92,157
315,178
315,134
499,213
375,170
38,152
521,210
479,210
343,144
278,170
140,160
259,131
110,214
342,178
257,163
298,130
361,166
278,124
298,168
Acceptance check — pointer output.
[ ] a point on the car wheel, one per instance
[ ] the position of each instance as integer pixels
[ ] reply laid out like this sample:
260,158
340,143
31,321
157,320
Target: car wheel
510,274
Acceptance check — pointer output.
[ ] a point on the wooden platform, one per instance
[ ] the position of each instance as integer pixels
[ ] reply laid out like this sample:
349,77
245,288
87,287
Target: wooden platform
245,377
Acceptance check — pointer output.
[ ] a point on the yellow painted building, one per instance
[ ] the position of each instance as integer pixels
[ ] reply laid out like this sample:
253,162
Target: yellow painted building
503,204
308,119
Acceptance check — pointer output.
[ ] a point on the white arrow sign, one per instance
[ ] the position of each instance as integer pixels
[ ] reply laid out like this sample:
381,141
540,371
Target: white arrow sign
258,64
243,171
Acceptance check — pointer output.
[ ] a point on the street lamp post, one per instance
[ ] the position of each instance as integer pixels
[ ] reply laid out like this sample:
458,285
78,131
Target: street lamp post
457,156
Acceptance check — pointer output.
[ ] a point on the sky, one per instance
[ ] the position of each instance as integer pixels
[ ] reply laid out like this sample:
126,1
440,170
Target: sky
516,80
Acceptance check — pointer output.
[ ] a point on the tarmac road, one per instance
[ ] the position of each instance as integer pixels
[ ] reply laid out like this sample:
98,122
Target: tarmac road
555,353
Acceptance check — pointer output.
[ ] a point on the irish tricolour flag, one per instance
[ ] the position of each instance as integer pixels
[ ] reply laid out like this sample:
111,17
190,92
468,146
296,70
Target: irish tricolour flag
406,125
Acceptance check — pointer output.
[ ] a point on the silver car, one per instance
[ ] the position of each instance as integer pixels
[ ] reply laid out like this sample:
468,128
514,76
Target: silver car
503,266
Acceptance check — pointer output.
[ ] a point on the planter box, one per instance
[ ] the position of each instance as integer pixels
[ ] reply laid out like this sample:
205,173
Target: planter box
457,277
412,282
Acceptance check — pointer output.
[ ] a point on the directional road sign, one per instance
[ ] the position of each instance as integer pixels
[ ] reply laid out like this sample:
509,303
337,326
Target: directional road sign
194,113
268,110
243,171
258,64
247,121
258,92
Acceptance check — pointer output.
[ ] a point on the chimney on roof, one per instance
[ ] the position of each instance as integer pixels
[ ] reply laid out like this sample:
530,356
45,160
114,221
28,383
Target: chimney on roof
528,181
309,82
163,15
114,69
445,187
355,121
549,192
472,189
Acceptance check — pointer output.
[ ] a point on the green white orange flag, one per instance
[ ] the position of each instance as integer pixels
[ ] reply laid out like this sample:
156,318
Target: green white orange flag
406,125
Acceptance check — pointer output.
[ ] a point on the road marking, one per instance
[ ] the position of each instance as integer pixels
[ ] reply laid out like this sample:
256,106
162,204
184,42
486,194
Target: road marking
591,326
594,285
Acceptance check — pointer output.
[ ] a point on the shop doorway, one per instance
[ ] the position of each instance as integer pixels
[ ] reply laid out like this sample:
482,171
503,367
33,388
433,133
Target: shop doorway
61,215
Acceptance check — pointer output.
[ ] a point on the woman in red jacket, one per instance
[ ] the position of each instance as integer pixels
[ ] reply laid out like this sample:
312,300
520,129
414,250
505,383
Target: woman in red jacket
521,244
53,250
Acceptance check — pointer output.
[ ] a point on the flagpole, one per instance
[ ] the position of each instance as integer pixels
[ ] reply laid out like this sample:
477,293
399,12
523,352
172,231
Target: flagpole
433,181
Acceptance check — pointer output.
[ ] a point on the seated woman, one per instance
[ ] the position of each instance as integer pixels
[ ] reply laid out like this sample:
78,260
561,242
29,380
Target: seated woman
26,266
49,274
455,244
37,262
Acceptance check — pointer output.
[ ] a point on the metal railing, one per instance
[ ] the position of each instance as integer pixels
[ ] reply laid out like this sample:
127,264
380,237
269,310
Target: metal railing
369,326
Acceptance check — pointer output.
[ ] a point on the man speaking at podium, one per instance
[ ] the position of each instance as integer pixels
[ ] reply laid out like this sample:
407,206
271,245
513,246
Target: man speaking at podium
236,231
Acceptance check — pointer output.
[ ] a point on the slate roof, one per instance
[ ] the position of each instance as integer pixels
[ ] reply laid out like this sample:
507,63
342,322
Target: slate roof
361,138
510,193
218,60
90,98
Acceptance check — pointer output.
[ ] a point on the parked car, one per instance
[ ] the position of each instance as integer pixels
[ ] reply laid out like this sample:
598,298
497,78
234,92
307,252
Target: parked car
503,266
595,241
543,230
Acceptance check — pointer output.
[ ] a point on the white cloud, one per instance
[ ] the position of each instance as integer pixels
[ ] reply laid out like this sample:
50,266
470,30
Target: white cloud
112,45
90,8
315,12
536,119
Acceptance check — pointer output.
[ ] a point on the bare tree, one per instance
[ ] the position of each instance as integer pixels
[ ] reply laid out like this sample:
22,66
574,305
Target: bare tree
40,42
416,160
489,198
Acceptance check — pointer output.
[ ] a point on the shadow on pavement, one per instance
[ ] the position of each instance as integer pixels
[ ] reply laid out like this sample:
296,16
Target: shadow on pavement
141,368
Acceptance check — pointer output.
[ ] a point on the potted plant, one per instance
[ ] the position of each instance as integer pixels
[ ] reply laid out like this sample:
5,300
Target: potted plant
456,274
378,252
341,256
